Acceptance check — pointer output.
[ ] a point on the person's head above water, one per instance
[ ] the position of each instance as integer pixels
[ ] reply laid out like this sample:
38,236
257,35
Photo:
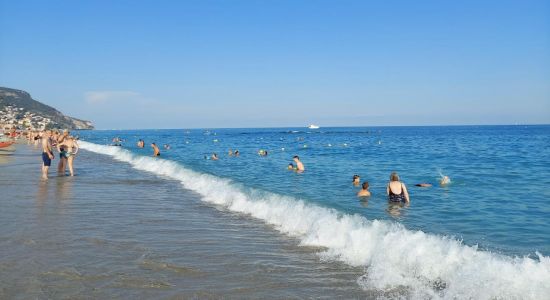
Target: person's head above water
296,157
365,185
394,176
356,178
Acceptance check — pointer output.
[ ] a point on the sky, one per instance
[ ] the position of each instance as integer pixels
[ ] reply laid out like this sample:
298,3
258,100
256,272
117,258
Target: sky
213,64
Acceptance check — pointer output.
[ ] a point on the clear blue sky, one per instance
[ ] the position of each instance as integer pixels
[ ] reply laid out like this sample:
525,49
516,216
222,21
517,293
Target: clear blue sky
201,63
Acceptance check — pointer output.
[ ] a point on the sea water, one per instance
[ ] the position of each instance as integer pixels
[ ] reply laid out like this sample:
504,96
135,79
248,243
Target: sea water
485,235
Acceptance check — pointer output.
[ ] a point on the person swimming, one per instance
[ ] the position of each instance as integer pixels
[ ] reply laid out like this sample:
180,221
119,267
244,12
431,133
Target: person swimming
166,146
396,190
214,156
356,179
444,180
140,143
290,166
423,184
364,192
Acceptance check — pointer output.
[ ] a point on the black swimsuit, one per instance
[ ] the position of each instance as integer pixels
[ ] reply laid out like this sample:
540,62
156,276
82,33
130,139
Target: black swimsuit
397,197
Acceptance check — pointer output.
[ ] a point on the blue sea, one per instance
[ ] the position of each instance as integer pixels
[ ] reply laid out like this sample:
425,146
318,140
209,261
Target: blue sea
484,235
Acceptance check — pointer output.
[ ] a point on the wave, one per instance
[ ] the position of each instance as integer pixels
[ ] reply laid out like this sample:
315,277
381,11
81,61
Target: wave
412,264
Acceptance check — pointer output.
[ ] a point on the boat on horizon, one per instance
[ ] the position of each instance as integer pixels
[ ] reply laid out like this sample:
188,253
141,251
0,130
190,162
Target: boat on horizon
312,126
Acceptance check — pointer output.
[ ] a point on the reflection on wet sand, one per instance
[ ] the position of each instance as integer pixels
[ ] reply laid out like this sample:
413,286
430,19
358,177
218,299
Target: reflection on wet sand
63,191
42,193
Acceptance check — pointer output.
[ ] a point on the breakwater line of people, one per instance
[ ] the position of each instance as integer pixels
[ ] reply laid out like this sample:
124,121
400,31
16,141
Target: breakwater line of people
416,263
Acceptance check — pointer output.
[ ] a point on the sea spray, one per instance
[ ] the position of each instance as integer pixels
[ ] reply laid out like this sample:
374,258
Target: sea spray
413,263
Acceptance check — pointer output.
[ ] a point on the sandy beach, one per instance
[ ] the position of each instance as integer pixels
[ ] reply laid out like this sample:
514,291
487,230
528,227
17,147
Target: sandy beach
114,232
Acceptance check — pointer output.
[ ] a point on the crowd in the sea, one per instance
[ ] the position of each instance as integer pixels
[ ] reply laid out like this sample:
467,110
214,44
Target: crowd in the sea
395,189
67,147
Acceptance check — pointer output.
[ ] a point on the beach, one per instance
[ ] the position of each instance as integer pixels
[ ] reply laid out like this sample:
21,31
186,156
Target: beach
183,225
113,232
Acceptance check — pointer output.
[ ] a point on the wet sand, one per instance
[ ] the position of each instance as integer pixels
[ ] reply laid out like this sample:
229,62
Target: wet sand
113,232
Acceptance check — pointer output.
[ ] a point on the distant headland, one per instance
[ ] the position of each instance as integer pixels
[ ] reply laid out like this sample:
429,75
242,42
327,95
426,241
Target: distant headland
18,109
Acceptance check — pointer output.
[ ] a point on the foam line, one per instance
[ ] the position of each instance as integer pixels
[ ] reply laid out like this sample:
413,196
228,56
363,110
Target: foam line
413,264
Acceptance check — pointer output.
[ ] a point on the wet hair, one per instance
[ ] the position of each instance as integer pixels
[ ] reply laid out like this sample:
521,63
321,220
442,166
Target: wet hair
153,144
355,176
296,156
394,176
365,185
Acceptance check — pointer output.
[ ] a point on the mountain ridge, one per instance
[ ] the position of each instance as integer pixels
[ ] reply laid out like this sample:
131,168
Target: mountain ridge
18,108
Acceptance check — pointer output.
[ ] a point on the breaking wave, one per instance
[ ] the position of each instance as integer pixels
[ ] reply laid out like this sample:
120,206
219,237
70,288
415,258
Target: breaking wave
398,261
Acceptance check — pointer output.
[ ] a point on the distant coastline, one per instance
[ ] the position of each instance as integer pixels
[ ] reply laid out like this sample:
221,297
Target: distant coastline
20,111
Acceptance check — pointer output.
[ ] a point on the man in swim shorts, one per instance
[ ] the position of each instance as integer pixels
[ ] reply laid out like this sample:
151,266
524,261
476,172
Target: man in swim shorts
47,154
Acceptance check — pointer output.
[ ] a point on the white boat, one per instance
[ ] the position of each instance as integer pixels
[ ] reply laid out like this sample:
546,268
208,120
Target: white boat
313,126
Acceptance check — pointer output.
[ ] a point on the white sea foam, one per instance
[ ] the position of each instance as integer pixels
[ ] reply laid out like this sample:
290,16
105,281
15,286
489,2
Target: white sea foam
397,261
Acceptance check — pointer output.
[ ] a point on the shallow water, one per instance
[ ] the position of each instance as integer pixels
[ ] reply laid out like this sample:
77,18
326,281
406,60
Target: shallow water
114,232
499,173
247,227
413,251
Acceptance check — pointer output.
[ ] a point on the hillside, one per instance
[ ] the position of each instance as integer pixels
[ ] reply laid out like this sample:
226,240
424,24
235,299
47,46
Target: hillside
20,109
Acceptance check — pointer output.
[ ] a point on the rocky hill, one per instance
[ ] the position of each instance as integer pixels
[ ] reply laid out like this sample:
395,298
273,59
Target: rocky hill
18,108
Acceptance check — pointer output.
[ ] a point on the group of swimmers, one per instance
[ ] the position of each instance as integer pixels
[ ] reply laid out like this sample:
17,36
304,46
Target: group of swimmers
65,144
396,190
156,150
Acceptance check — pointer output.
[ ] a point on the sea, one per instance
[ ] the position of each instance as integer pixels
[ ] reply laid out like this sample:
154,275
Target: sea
485,235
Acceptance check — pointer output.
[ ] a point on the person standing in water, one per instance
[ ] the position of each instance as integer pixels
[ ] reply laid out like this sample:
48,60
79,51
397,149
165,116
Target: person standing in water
156,151
396,190
364,192
299,165
71,148
140,143
47,154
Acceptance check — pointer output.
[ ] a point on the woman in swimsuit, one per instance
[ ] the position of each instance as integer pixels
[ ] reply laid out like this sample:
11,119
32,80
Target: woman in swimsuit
396,190
71,151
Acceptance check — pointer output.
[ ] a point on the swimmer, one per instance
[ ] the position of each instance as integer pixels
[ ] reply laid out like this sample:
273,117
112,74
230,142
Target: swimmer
156,151
356,179
237,153
423,184
166,146
290,166
445,180
140,143
230,152
214,156
299,165
364,192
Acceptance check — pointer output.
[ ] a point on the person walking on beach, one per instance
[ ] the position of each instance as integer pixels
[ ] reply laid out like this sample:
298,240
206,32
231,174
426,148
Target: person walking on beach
47,154
156,151
396,190
299,165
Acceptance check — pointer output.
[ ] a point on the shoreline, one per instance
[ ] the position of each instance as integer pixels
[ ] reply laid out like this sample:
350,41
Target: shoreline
114,232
